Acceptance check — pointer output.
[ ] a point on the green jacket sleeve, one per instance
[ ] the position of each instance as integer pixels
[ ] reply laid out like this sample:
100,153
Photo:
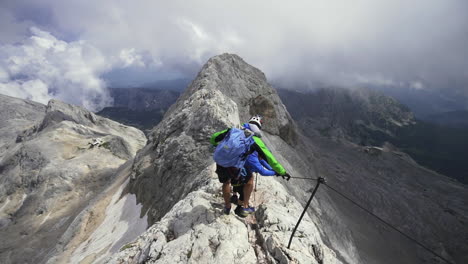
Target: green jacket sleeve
217,137
264,152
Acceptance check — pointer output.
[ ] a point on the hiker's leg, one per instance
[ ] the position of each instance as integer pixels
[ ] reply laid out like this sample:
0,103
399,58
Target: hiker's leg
224,177
227,194
248,187
241,193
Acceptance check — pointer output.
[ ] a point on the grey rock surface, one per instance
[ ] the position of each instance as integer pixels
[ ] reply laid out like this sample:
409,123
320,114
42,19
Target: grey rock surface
50,171
16,116
196,231
226,92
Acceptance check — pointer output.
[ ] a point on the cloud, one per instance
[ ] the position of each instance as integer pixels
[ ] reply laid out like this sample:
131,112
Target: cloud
44,67
336,42
416,85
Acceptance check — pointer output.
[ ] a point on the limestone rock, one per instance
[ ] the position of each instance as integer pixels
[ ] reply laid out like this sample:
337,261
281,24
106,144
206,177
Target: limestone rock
196,231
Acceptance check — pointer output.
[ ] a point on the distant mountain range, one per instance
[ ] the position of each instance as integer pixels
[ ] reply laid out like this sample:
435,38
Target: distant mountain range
424,102
368,117
139,107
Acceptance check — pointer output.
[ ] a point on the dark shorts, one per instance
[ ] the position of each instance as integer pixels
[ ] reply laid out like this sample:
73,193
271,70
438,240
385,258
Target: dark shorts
232,174
238,185
226,174
241,181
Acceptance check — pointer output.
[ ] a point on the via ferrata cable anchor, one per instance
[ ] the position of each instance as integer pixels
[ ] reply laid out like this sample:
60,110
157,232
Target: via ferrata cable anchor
320,180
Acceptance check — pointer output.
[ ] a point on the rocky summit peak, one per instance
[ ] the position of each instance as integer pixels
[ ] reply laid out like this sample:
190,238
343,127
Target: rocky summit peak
58,111
226,93
248,88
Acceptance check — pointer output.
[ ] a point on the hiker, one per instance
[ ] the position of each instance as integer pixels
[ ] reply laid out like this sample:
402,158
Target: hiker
249,139
244,185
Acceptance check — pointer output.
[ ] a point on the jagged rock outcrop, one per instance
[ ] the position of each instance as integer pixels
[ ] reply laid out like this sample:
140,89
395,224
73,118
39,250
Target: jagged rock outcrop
51,170
16,116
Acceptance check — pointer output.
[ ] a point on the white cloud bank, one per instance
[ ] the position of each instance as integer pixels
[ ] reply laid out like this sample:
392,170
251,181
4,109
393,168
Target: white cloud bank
43,67
306,42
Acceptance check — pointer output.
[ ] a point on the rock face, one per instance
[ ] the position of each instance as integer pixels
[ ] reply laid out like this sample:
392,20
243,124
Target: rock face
226,92
16,116
50,170
195,231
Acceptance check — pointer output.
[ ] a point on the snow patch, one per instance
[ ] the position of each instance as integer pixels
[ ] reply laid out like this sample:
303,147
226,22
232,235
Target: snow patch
4,205
121,225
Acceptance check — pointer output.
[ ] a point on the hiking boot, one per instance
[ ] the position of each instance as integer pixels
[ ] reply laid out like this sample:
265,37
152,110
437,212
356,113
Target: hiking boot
249,210
239,211
226,210
244,212
234,199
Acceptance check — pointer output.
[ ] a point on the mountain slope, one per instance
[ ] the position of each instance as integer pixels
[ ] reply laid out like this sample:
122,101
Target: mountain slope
50,171
370,118
361,116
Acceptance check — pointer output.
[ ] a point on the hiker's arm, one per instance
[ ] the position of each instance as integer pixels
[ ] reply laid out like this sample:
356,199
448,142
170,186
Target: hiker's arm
266,154
217,137
266,172
253,164
265,164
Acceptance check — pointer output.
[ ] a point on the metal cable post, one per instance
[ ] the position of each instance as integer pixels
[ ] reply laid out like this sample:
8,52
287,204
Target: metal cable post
320,180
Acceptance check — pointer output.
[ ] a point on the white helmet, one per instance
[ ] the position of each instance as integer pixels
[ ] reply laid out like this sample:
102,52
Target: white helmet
257,120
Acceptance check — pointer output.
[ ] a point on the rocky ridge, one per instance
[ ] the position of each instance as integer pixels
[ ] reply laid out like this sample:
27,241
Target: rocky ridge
226,91
173,177
194,231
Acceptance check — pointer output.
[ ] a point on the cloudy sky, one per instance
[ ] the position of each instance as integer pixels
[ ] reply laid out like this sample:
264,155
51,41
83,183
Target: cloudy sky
73,50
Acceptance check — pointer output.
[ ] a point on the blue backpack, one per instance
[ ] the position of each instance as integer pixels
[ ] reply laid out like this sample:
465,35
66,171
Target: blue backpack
233,150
